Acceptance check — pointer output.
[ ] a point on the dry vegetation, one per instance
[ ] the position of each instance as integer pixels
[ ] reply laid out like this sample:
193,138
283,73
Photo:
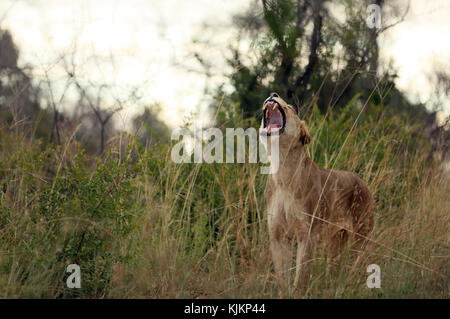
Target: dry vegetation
74,190
141,226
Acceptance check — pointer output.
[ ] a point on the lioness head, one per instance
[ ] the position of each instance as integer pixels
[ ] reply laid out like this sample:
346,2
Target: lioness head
282,119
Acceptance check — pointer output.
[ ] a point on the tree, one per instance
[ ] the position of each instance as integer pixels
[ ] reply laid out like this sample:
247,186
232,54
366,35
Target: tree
18,96
307,51
318,53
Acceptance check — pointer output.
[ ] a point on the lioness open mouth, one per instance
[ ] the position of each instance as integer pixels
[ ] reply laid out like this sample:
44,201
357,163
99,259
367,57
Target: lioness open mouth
274,118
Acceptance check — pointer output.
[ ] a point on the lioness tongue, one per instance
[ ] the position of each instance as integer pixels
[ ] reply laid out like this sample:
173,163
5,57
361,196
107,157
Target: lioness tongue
275,120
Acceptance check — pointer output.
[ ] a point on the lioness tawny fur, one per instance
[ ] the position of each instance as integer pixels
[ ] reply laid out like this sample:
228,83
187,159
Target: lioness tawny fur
306,205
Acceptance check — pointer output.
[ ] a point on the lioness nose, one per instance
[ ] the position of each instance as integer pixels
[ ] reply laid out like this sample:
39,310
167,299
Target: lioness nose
273,94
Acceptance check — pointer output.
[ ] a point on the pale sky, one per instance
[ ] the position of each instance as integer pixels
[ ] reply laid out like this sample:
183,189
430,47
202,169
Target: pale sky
149,39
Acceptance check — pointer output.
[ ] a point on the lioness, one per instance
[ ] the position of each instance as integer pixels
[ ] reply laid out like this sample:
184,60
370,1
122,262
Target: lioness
305,204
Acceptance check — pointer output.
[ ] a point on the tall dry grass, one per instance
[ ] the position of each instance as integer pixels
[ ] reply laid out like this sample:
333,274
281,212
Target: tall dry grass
141,226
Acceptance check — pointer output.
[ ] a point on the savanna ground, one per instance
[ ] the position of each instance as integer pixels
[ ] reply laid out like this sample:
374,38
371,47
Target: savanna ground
141,226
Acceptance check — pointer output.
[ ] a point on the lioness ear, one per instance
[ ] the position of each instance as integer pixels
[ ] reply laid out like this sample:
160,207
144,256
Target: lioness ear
305,138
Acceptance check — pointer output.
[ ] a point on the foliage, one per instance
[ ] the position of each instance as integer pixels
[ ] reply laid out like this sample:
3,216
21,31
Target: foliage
140,225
